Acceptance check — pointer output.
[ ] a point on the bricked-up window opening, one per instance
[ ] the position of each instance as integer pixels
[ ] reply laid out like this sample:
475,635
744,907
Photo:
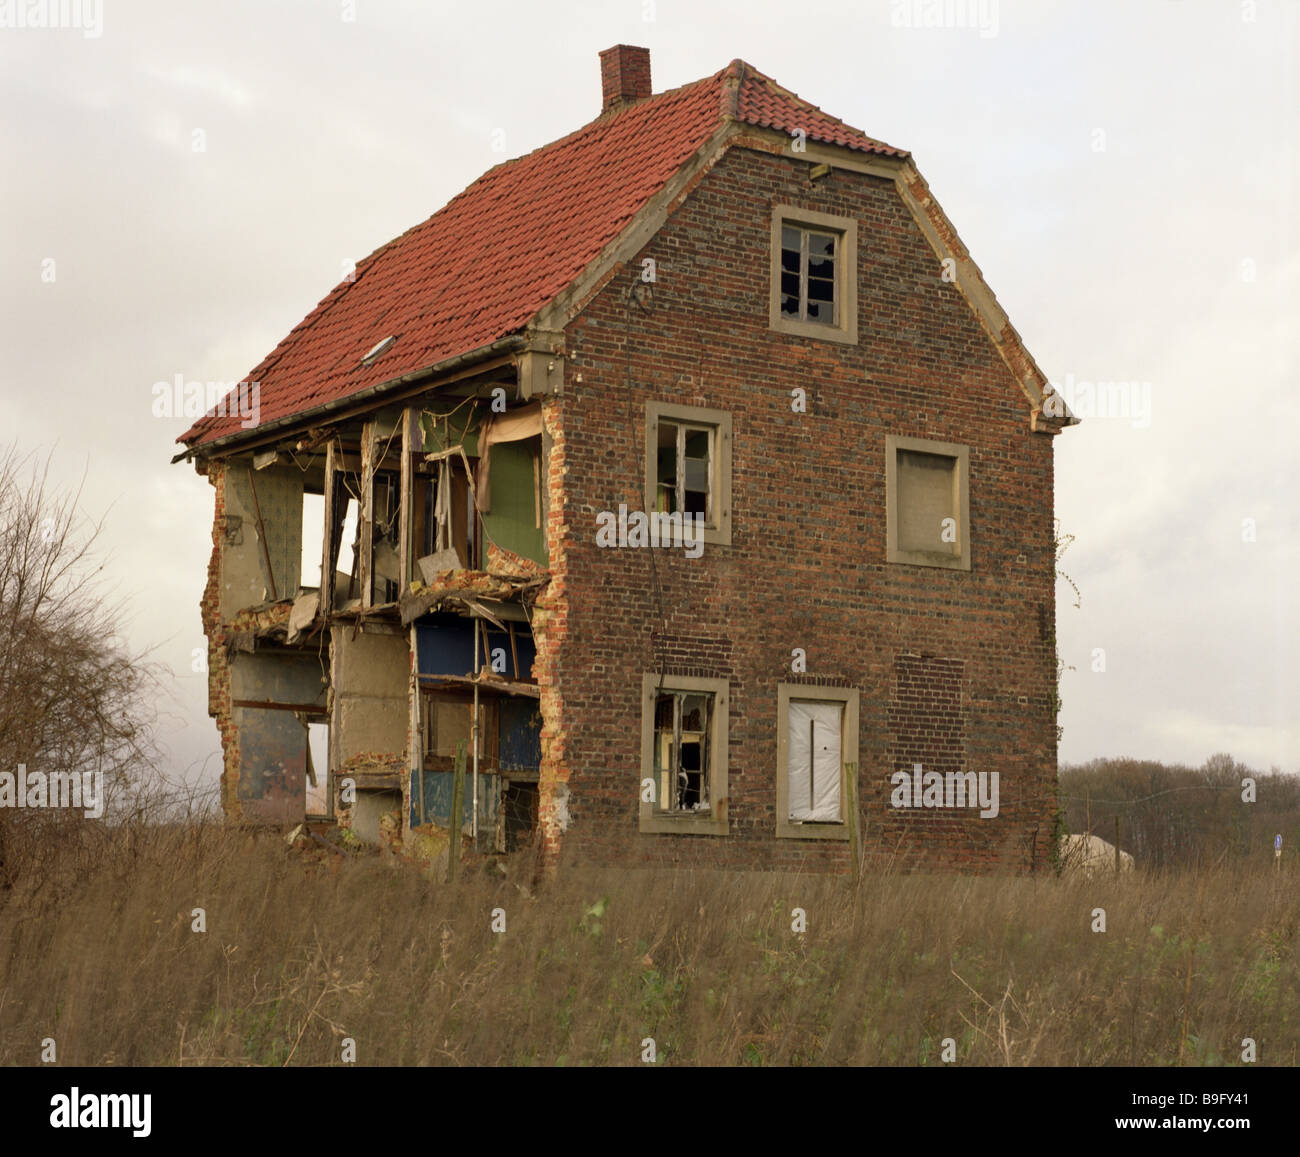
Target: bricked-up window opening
682,757
815,761
808,262
685,468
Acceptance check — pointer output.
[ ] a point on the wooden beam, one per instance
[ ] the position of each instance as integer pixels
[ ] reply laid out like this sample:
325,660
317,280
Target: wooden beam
407,497
362,566
328,544
267,705
504,686
457,807
261,535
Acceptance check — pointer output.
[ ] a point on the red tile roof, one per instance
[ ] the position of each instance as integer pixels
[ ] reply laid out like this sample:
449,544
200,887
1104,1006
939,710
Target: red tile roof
481,267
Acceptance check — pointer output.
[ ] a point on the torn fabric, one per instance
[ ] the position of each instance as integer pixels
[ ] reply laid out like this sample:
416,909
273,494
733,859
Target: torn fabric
513,426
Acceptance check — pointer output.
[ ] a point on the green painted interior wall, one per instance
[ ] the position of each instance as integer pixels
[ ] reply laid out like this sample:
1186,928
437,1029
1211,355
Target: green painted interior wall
512,523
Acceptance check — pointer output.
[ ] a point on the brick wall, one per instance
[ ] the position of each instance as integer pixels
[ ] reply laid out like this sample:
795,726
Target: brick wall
954,666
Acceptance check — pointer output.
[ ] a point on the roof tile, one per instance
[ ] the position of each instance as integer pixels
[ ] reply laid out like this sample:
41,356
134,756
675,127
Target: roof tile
482,266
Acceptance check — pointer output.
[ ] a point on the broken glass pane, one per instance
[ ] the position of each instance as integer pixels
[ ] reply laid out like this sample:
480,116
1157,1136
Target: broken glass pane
821,245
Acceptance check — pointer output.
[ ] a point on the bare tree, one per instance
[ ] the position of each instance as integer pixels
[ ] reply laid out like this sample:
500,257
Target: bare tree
73,698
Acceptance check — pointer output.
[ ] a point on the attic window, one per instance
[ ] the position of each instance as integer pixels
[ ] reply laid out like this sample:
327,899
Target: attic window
808,258
379,348
814,290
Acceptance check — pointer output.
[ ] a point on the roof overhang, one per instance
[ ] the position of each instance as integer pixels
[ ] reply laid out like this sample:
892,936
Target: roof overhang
392,390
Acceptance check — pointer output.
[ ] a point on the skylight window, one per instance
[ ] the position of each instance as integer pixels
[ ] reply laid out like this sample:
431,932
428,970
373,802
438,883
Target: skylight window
379,348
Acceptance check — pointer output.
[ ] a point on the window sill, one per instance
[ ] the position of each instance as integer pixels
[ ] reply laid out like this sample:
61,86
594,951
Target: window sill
814,330
926,558
793,830
661,824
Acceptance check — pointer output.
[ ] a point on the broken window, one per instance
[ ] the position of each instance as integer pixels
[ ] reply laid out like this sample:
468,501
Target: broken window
682,733
808,281
683,786
685,469
688,469
814,274
928,502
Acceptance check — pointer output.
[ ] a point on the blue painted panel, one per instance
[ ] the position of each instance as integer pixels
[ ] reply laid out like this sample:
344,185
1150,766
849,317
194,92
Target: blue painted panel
445,645
438,786
519,730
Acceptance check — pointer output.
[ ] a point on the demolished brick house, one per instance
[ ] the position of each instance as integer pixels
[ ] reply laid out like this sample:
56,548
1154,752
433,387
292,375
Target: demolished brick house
716,316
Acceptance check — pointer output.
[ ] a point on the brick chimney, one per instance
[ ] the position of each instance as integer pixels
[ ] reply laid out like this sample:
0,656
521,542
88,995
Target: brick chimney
624,76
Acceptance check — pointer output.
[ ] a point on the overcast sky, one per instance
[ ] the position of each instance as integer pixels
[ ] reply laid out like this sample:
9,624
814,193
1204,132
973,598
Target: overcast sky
181,186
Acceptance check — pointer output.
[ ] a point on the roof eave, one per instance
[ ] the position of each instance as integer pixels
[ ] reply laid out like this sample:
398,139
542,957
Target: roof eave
229,443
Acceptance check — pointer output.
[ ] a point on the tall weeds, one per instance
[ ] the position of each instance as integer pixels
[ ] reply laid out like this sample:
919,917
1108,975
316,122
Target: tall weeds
302,953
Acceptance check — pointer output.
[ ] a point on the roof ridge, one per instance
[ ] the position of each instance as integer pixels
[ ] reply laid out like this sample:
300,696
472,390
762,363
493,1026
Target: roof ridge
776,88
733,78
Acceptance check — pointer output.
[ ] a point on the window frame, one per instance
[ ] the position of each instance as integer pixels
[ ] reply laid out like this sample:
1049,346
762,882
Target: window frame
960,455
789,829
715,822
717,532
845,329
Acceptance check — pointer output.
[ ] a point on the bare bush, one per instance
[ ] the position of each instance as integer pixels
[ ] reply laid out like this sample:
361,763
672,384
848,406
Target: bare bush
74,701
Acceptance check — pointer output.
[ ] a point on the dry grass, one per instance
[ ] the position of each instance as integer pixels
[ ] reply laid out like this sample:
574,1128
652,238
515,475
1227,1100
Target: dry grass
300,954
